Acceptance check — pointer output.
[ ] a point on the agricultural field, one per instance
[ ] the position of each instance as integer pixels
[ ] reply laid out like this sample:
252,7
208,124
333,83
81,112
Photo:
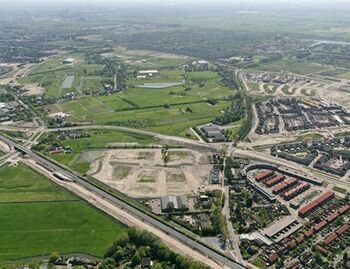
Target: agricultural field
149,59
338,73
38,217
52,73
288,65
170,110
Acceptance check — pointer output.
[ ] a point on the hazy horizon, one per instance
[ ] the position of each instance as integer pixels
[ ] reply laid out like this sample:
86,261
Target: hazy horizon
28,3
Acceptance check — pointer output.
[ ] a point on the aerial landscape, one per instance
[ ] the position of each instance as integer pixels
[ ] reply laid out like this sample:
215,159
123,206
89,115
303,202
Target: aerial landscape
174,134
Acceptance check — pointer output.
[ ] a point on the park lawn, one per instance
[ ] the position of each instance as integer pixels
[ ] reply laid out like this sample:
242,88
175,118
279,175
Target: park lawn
38,217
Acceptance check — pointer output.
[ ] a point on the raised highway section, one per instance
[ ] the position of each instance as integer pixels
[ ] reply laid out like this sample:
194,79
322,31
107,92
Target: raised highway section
216,256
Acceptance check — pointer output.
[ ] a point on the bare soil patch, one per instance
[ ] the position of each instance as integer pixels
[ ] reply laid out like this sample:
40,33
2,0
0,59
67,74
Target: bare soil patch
141,173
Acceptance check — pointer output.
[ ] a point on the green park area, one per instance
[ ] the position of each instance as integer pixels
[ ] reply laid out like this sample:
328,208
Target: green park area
38,217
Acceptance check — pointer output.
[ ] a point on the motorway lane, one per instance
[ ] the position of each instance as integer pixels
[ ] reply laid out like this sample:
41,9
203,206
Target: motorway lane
289,164
179,236
214,147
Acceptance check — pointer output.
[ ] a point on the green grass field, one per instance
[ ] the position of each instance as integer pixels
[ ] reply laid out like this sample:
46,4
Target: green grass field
51,73
37,217
339,73
161,110
288,65
339,189
173,120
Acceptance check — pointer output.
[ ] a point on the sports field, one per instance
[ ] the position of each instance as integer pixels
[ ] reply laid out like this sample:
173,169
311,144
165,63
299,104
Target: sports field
37,217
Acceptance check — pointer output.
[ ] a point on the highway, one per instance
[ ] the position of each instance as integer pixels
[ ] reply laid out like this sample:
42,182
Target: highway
133,211
254,155
167,138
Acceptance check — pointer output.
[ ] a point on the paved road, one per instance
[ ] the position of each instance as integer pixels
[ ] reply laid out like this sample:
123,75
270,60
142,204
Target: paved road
179,140
113,200
289,164
233,237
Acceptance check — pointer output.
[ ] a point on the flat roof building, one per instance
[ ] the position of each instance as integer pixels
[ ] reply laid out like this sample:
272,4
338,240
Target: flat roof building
178,202
147,73
213,132
282,228
69,61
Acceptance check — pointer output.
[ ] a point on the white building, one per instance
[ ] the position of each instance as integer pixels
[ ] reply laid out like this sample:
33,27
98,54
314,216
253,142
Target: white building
69,61
147,73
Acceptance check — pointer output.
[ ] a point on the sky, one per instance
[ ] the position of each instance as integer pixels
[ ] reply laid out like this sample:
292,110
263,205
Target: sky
23,4
330,2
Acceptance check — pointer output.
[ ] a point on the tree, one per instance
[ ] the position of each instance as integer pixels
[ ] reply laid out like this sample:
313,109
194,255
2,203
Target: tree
249,202
135,260
165,155
118,255
54,257
170,207
123,240
108,263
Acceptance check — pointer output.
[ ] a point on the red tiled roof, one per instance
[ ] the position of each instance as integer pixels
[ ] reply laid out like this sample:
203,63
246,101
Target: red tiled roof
342,229
332,217
343,209
330,238
293,265
300,239
273,257
291,244
324,197
283,185
319,226
300,187
273,181
322,249
263,175
309,233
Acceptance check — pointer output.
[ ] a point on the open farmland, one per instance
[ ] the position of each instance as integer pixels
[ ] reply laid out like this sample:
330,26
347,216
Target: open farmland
170,110
44,218
288,65
173,120
51,75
